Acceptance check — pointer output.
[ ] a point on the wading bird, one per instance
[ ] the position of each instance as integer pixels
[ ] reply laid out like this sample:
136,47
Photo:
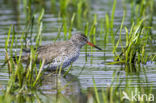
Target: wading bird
60,53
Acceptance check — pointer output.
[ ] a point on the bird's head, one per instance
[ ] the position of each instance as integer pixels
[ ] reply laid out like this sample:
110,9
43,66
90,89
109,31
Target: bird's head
80,40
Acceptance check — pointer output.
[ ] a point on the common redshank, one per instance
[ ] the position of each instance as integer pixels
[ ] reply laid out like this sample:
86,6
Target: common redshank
61,53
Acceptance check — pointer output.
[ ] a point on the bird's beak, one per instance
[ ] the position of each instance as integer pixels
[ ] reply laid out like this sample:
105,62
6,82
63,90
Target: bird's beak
91,44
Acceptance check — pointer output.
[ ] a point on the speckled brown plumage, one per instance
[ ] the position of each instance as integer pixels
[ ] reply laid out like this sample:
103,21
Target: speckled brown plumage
60,53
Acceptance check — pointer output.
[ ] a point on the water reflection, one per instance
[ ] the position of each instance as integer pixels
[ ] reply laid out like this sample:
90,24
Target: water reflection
55,88
58,88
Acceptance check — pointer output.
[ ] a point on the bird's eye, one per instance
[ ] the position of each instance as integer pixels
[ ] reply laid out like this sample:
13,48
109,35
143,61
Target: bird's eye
85,39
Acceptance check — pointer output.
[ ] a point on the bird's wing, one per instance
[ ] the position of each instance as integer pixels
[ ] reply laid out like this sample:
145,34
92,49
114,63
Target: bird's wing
51,51
47,52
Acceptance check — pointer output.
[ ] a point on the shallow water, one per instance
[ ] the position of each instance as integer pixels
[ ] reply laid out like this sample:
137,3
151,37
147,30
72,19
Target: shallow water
82,73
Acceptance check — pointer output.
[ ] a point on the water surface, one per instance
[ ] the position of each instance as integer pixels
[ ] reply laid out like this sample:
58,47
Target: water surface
82,72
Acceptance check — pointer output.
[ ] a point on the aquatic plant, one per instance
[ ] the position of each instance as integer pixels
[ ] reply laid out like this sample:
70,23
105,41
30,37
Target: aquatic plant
136,40
133,51
113,93
23,78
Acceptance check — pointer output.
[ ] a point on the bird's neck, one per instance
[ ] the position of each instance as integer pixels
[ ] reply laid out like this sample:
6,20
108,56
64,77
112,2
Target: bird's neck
76,44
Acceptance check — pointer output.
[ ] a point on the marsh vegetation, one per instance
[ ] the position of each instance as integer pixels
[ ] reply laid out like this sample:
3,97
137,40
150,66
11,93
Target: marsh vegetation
125,67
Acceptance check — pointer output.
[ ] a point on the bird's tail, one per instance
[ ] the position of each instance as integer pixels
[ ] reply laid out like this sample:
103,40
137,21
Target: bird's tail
14,58
7,60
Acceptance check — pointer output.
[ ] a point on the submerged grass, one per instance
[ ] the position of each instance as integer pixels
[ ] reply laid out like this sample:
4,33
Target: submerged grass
136,41
96,92
113,93
22,78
